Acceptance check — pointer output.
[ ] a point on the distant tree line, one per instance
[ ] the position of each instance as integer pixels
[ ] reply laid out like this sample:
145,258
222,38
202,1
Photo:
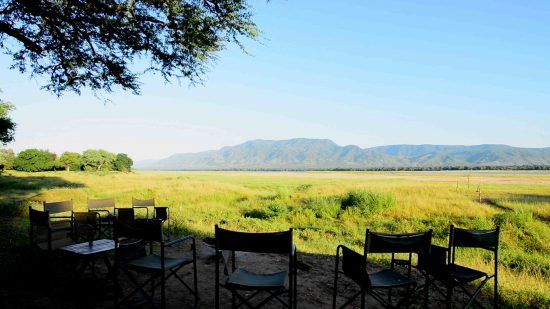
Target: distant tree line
392,169
36,160
453,168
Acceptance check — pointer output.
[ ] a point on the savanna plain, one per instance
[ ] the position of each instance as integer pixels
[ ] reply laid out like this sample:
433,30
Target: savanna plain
326,209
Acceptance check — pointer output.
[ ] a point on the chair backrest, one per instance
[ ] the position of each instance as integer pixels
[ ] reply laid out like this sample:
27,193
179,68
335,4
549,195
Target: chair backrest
276,242
85,226
85,218
128,242
147,230
483,239
353,265
39,228
125,215
138,202
101,203
39,218
418,243
161,213
435,260
58,207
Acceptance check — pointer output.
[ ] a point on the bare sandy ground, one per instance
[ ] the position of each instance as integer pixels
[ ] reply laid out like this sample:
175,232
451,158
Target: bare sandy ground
315,286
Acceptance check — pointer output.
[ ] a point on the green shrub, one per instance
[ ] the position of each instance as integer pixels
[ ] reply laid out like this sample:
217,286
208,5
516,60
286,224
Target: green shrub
519,219
277,209
272,210
323,206
284,193
367,202
304,187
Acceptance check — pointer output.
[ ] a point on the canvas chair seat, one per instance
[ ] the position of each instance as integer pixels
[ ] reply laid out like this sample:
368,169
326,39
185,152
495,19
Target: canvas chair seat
152,262
388,278
464,274
246,280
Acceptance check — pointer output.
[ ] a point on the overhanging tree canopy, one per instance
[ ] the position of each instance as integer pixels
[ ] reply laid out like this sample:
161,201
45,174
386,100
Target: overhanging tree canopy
95,43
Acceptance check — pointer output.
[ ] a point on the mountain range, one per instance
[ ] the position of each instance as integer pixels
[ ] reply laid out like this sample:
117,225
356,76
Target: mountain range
314,154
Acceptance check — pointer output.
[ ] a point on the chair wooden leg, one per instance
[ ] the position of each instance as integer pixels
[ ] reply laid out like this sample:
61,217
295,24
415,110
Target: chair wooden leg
495,296
363,299
449,297
216,281
195,281
295,295
426,291
335,290
162,292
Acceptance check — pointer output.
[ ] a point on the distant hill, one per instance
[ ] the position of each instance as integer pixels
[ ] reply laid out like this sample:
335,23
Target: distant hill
311,154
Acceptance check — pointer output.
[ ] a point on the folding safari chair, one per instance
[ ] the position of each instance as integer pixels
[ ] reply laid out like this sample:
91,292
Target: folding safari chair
455,275
43,235
126,215
131,256
61,213
85,226
143,204
240,279
354,267
161,213
105,208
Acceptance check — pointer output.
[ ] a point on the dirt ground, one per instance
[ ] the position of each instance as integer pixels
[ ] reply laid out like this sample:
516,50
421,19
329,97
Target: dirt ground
315,285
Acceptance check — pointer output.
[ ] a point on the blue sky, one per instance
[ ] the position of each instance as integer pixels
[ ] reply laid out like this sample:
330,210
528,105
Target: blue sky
357,72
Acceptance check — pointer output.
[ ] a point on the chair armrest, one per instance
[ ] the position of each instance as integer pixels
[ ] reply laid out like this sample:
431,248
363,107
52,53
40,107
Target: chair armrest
97,212
179,240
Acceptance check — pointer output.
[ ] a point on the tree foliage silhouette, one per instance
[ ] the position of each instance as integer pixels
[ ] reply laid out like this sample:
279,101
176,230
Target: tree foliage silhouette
102,44
7,126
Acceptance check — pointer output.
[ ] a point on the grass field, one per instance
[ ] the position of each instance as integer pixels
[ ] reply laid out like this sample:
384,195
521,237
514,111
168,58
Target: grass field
331,208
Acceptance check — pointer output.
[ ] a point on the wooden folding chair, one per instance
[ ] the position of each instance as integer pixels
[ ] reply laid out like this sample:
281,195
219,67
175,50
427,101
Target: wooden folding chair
143,204
455,275
105,208
353,266
131,256
126,215
43,235
240,279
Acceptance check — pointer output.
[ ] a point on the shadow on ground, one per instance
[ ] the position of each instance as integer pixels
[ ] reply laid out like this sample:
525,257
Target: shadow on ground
31,287
16,189
15,272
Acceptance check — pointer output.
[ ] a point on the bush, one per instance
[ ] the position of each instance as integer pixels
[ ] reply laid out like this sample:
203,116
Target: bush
272,210
519,219
323,207
366,201
34,160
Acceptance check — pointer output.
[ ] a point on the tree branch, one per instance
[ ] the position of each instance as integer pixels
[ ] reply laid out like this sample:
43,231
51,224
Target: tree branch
18,35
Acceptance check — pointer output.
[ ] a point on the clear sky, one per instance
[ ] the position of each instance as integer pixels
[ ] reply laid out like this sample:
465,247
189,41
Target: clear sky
357,72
